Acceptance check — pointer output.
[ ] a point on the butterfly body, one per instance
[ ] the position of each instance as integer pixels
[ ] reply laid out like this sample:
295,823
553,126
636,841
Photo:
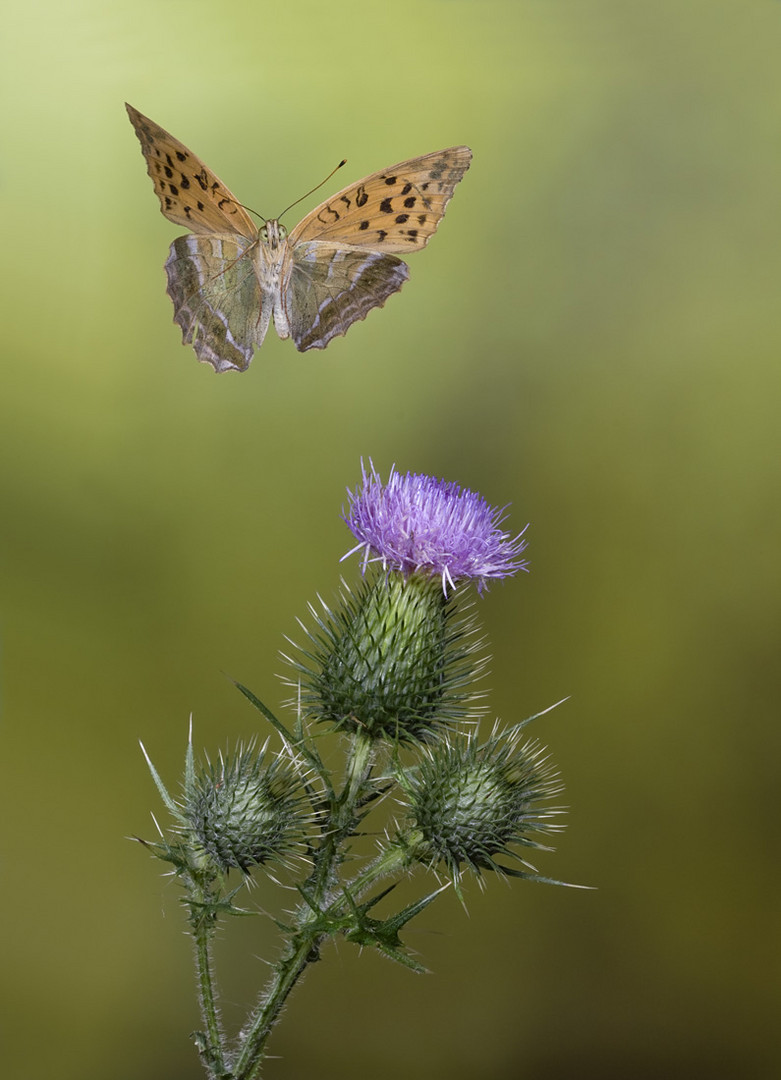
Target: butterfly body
228,279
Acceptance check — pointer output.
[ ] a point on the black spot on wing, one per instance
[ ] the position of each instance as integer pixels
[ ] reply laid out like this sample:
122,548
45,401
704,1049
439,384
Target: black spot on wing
328,220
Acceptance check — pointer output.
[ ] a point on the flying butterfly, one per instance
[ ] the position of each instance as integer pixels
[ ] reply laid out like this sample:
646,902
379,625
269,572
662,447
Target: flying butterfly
228,278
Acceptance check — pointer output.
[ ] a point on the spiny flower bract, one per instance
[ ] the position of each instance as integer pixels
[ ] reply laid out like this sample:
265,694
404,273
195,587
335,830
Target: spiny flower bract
393,660
416,523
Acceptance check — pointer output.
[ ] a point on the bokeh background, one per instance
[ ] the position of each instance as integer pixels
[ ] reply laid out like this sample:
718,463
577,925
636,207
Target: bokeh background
593,336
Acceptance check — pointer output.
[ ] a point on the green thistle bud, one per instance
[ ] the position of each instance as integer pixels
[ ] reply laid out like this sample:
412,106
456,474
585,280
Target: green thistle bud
248,810
468,803
395,660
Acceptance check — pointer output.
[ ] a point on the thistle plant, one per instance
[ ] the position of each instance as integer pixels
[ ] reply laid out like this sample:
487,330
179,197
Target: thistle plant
392,668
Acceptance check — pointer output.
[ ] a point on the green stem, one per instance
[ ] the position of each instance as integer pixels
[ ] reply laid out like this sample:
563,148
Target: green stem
358,764
309,933
287,973
203,927
387,862
342,818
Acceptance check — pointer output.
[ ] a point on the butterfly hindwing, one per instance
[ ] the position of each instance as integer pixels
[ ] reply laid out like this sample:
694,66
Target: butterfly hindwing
216,297
395,210
327,287
190,194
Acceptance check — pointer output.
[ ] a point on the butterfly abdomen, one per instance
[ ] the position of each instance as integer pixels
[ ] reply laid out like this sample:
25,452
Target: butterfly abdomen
270,267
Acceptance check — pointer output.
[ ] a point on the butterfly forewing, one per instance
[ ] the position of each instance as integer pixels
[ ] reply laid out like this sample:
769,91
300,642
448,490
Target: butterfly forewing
330,286
189,193
395,210
216,296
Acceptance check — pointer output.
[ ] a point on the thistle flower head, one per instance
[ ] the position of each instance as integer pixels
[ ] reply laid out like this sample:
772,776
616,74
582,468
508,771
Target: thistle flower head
416,523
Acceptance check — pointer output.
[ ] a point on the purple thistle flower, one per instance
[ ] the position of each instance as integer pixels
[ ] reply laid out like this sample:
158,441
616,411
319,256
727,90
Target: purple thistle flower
419,523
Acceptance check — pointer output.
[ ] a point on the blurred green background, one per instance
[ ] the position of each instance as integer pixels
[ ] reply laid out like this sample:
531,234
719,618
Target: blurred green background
593,336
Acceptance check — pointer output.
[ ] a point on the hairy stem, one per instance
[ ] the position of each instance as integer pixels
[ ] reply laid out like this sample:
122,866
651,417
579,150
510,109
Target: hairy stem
301,952
311,926
210,1043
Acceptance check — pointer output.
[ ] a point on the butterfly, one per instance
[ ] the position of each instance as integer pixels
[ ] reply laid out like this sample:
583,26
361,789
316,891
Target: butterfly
228,278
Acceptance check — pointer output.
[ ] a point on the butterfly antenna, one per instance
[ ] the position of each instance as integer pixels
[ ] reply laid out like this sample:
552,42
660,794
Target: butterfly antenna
314,189
249,210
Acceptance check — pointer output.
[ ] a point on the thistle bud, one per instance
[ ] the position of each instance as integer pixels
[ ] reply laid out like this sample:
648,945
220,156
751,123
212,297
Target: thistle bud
247,811
468,804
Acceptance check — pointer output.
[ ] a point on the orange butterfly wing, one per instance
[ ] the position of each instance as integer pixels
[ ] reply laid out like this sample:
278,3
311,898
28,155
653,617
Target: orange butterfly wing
190,194
394,211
